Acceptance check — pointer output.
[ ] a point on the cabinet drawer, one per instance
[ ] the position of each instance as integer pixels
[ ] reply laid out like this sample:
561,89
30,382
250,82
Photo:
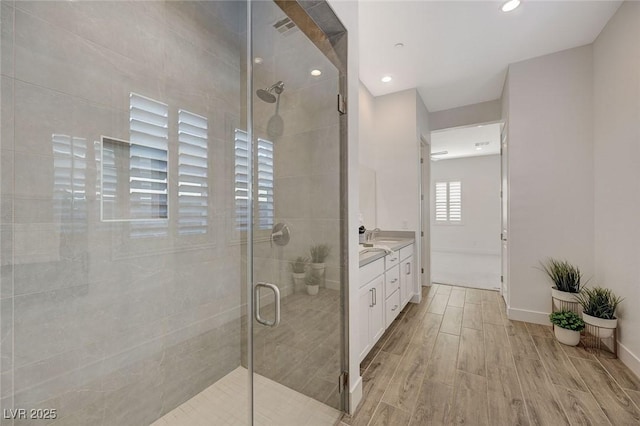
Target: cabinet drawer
391,280
391,260
392,308
406,252
370,271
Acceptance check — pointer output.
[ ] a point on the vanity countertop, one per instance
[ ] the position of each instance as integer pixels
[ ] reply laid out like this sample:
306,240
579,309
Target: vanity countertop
394,243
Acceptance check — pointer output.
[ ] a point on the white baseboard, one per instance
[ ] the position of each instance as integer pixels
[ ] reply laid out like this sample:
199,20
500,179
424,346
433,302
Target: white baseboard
355,396
629,359
528,316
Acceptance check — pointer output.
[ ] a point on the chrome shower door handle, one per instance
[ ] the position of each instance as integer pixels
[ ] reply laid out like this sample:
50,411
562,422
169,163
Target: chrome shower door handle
256,303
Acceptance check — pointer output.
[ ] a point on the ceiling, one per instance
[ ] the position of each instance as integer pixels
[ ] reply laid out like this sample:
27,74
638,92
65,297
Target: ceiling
461,142
456,52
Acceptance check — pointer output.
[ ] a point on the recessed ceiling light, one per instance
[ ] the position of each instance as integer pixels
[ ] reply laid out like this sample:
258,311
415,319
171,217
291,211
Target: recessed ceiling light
510,5
386,79
258,60
316,73
399,45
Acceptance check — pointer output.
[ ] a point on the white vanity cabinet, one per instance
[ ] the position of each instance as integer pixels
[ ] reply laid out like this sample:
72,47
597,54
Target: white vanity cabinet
386,286
370,306
407,274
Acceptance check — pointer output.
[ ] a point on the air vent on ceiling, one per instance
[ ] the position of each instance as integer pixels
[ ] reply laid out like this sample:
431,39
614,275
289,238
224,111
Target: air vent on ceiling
285,26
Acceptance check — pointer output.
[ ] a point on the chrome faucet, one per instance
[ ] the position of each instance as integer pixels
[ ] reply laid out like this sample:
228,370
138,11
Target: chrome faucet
371,235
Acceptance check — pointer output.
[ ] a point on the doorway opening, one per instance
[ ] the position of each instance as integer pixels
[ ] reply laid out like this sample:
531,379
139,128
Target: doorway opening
465,206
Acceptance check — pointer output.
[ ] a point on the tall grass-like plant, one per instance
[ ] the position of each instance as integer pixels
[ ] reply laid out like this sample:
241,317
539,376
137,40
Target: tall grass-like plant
319,253
299,264
564,275
599,302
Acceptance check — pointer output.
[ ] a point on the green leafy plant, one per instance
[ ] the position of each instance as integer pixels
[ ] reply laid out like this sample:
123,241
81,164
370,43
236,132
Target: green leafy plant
299,264
567,319
312,278
319,253
564,275
599,302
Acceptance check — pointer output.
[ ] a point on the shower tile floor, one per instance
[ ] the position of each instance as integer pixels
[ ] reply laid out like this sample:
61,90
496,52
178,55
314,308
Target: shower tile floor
225,403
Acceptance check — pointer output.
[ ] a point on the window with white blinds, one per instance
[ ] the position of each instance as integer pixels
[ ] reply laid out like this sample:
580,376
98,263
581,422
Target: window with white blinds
448,202
192,173
264,182
148,161
69,181
241,180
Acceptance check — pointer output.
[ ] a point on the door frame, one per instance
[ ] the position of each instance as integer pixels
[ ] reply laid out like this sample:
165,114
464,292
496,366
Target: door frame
425,211
504,258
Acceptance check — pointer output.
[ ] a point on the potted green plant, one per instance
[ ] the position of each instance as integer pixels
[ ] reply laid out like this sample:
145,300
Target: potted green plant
298,268
312,281
567,280
319,254
567,326
599,309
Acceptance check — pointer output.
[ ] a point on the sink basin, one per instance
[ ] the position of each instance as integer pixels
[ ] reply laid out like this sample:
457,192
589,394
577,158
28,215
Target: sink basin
386,242
364,250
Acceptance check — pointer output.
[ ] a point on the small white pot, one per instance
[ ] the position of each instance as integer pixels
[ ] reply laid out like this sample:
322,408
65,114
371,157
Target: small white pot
298,281
566,337
319,270
313,289
605,326
564,296
318,266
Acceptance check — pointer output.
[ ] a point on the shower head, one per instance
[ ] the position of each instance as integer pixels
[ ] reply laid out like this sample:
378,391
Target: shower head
267,95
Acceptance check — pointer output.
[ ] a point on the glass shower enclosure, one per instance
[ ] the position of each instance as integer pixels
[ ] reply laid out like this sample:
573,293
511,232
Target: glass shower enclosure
163,165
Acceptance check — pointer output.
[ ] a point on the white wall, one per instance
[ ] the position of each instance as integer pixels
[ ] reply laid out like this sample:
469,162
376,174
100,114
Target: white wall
483,112
616,60
396,161
551,173
479,232
368,175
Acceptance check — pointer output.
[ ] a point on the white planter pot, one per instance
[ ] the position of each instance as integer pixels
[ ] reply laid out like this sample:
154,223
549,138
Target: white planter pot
606,326
566,337
563,296
298,281
313,289
318,268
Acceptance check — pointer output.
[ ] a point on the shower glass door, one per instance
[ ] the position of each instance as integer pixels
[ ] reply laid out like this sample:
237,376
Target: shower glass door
298,317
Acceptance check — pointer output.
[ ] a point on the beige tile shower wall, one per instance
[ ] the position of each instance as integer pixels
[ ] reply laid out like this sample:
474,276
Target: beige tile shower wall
307,158
90,318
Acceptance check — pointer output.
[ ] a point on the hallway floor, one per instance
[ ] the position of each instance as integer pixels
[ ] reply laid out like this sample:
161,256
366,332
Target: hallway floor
456,359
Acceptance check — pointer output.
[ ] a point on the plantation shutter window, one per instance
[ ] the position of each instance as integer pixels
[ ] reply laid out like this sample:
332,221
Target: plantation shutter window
455,201
441,202
69,181
149,137
264,182
448,202
241,180
192,173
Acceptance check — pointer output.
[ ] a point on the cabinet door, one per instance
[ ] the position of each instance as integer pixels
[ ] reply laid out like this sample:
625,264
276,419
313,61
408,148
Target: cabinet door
406,280
365,303
376,317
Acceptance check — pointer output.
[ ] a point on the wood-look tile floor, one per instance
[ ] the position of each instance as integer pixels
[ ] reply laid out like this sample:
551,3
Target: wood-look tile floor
456,359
